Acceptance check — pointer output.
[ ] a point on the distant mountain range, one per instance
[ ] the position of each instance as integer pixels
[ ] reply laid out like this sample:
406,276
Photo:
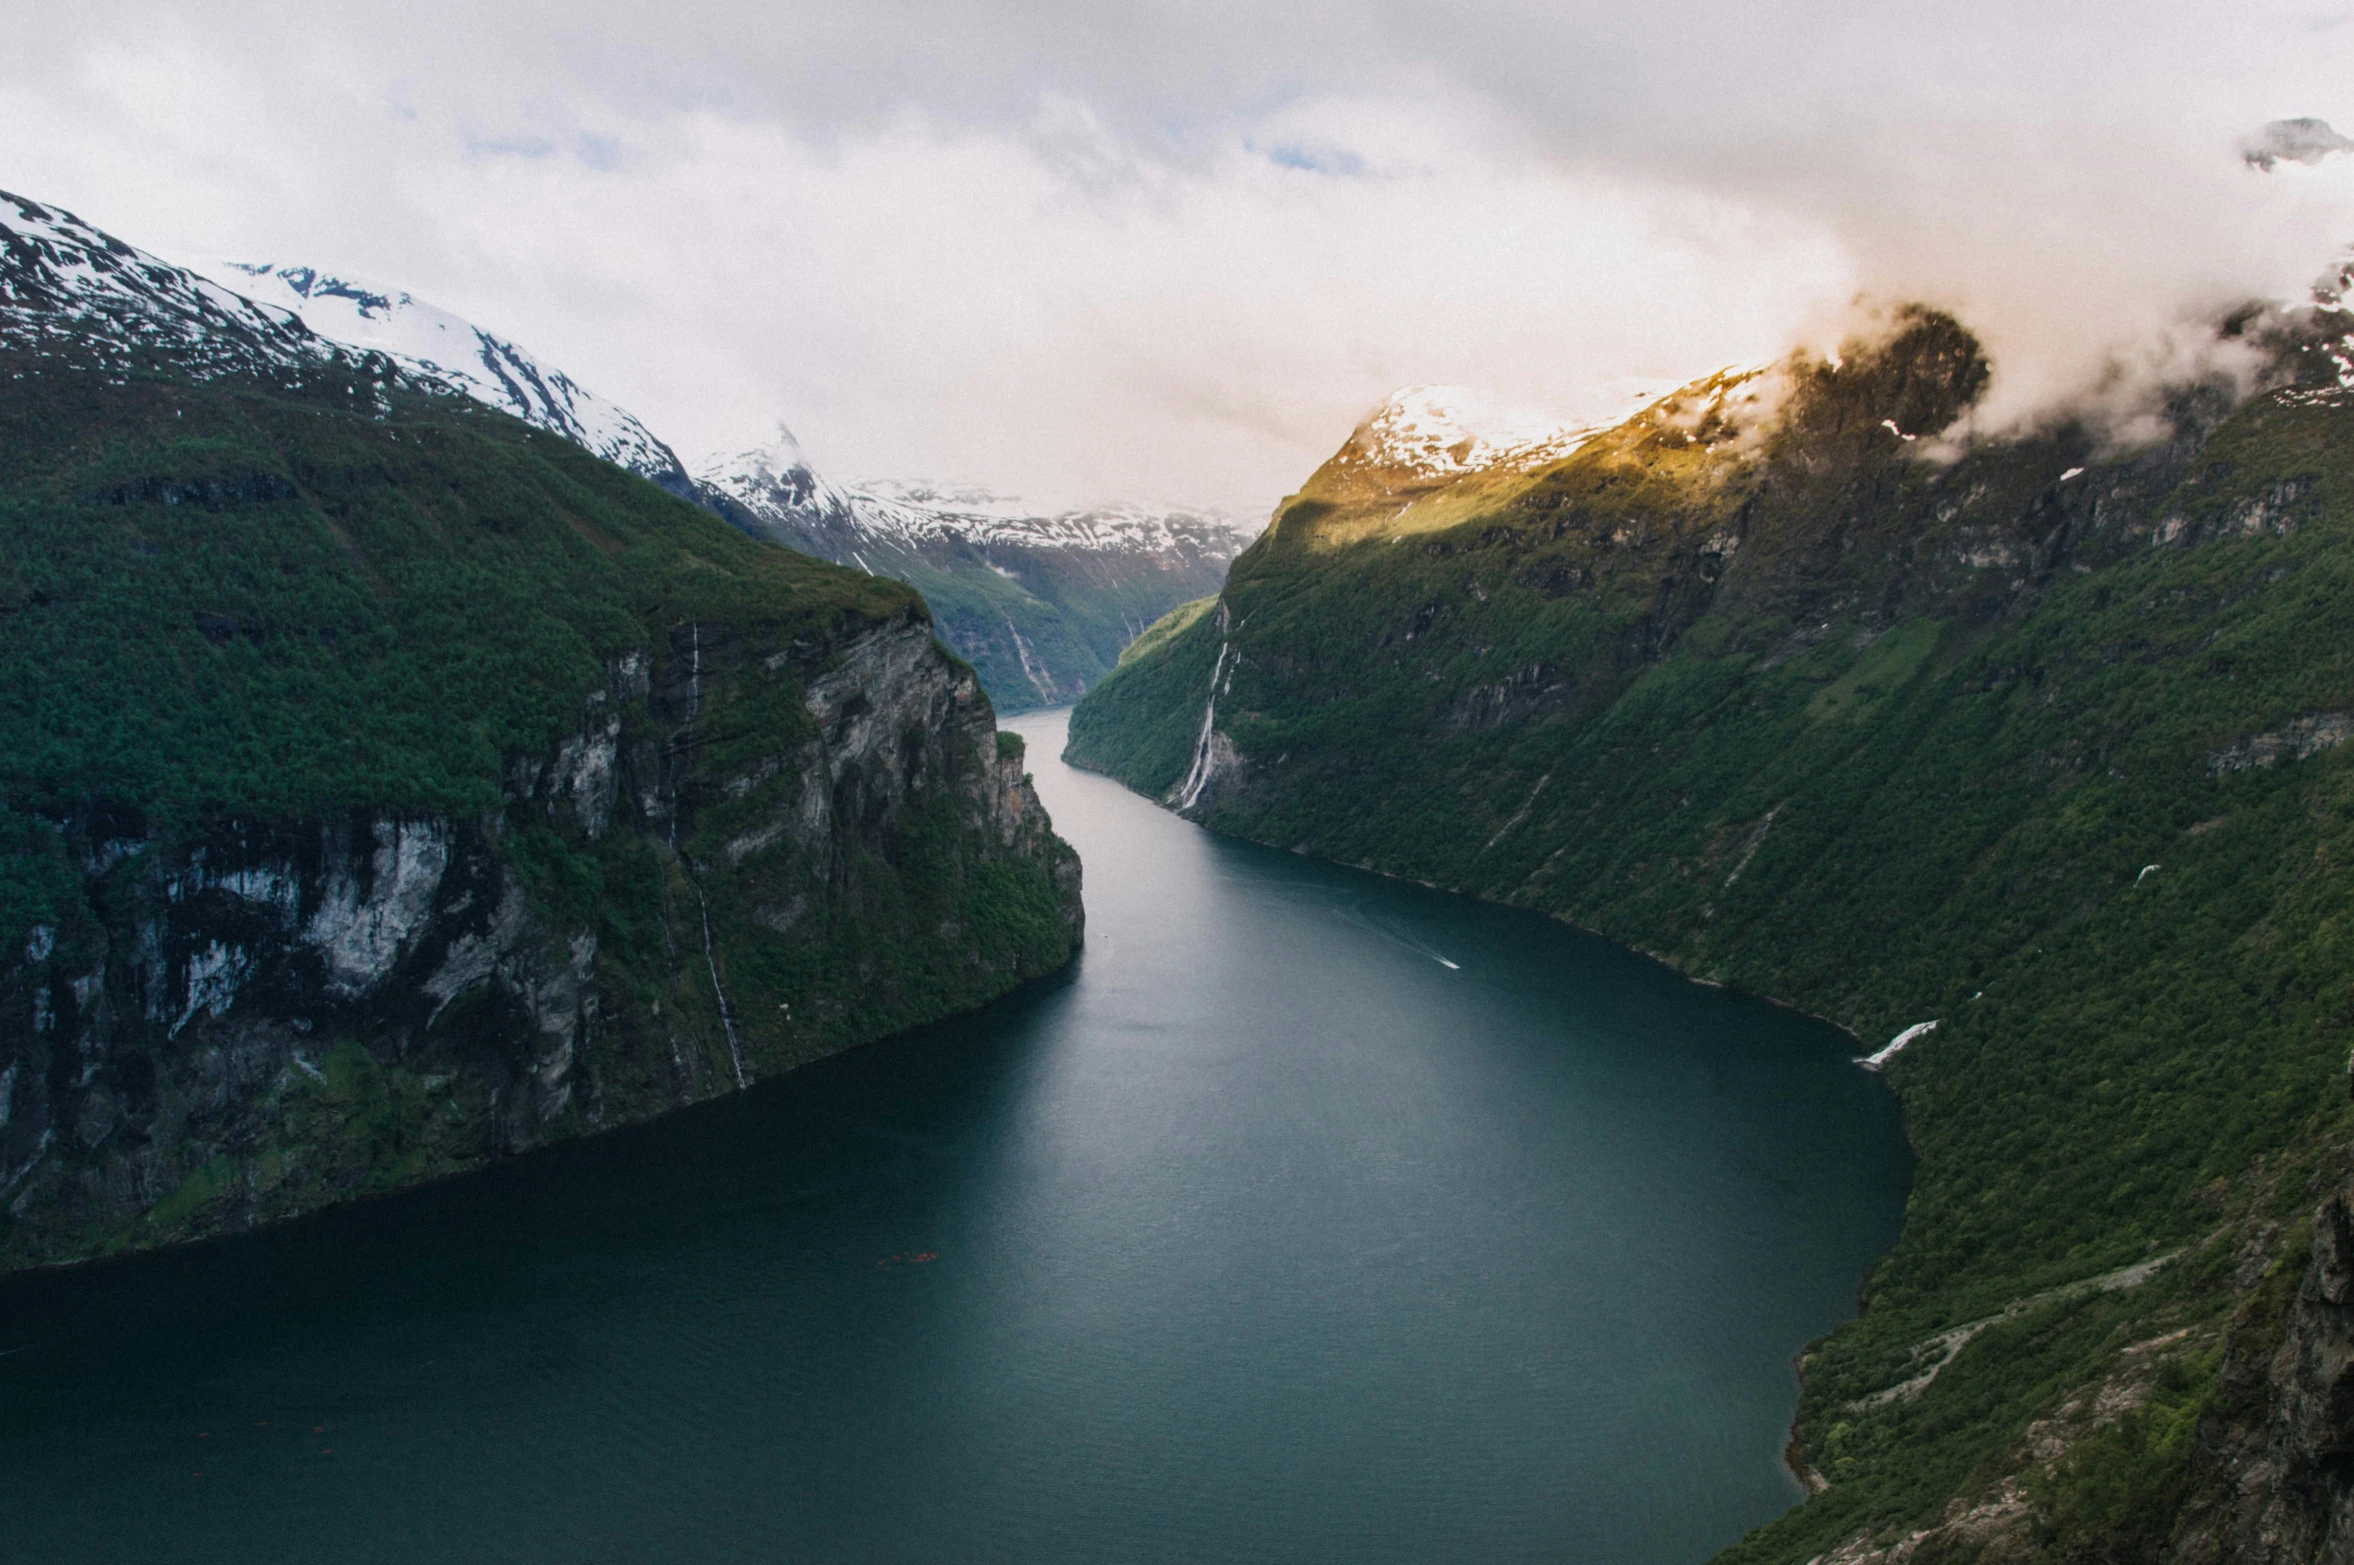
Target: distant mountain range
1040,603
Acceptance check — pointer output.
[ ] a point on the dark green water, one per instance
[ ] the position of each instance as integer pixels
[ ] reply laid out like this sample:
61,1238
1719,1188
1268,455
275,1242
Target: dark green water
1267,1236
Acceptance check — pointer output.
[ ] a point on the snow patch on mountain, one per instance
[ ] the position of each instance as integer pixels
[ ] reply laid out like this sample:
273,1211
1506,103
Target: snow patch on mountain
488,368
913,513
1446,431
71,290
777,485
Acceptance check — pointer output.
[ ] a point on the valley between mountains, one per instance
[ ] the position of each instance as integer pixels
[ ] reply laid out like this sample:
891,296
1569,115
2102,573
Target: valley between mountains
412,763
1040,603
1801,683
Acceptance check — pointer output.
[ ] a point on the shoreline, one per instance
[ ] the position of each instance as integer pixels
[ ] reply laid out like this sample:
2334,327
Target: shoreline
1810,1481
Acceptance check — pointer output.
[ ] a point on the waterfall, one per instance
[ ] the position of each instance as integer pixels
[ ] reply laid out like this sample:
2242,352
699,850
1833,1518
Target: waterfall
1040,679
1199,778
727,1015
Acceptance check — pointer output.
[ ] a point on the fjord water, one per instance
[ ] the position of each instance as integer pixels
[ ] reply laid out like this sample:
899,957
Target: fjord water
1310,1217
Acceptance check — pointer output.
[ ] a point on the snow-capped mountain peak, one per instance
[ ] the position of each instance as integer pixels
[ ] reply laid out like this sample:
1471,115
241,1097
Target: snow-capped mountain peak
69,288
1041,603
775,482
1445,431
486,367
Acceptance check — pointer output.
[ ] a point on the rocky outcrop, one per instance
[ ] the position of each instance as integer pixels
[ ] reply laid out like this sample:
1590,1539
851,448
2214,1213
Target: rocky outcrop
2273,1476
746,854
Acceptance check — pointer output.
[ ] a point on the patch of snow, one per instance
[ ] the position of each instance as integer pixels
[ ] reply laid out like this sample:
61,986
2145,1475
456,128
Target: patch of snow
490,369
1896,1045
70,289
776,486
1443,431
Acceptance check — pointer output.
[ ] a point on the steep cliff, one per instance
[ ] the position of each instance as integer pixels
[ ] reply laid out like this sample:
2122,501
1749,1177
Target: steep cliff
387,787
1804,684
2273,1474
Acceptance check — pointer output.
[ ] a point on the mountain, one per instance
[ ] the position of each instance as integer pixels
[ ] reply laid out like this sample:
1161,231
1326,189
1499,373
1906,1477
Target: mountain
1039,604
388,786
2038,738
1432,435
488,368
71,294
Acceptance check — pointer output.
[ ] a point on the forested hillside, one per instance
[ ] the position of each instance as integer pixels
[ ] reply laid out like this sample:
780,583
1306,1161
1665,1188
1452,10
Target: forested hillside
2037,737
388,786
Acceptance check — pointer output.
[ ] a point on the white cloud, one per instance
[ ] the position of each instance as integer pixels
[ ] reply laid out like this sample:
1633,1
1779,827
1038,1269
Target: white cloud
1077,250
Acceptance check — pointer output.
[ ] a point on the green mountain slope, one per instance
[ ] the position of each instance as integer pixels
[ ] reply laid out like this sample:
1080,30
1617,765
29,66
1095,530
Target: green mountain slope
2035,741
1042,625
387,786
1039,604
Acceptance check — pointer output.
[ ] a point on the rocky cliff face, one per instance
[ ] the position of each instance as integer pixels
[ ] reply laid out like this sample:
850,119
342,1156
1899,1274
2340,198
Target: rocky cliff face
2273,1478
268,1016
2182,1462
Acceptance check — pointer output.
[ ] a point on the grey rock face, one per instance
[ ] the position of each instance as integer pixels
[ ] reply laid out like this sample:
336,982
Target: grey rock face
2279,1487
272,1016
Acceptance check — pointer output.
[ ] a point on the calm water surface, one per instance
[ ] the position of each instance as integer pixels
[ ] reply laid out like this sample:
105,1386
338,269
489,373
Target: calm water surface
1313,1218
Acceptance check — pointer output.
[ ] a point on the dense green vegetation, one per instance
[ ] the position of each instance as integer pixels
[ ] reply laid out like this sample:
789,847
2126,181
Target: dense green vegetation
242,612
233,600
1051,629
1144,723
1894,741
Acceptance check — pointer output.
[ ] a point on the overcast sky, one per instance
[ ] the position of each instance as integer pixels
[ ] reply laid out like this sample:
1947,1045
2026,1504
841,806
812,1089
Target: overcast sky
1076,250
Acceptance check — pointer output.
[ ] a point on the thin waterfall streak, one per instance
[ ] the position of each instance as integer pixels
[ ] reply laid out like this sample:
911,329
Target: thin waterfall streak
727,1014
